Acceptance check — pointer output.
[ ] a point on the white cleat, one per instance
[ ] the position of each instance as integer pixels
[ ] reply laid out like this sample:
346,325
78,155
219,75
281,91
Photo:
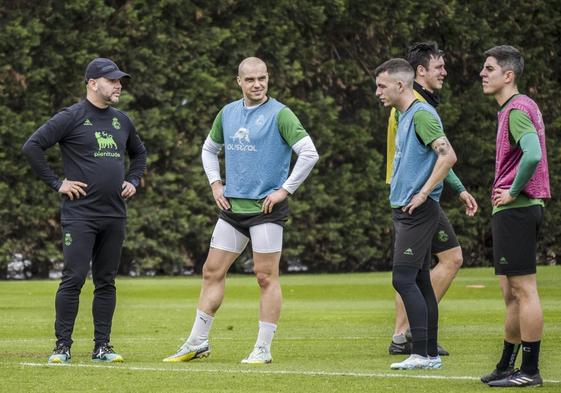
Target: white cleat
436,362
415,362
259,355
189,352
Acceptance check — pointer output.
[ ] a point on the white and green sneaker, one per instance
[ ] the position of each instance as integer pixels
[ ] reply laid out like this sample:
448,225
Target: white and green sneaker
189,352
105,353
435,361
61,354
259,355
414,362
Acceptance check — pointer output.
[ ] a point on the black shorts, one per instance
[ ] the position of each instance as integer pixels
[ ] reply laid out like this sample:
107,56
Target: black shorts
243,221
515,235
445,238
414,234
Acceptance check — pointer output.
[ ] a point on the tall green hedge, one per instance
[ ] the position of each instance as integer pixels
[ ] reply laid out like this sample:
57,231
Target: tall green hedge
183,57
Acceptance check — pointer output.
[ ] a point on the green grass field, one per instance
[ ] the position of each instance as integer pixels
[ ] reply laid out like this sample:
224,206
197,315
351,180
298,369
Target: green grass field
333,336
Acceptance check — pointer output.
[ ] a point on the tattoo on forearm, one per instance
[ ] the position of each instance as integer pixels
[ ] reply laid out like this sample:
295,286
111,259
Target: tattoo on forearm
441,146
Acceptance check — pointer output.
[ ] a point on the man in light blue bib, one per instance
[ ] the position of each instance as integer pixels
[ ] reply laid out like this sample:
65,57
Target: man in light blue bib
258,134
423,157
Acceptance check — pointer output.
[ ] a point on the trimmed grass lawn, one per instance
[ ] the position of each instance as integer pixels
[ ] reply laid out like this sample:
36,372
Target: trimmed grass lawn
333,336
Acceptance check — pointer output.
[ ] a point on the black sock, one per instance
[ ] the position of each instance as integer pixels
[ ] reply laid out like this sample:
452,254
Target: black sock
424,284
530,357
419,341
404,281
432,348
510,351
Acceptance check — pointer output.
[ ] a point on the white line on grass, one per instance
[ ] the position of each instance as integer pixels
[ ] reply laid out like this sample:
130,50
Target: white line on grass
182,338
265,372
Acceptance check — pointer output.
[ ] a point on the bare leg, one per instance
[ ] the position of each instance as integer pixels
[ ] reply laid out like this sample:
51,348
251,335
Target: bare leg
266,268
512,320
530,316
449,262
214,275
401,322
212,293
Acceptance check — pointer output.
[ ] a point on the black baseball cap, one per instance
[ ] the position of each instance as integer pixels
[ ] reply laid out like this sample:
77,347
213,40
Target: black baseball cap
102,67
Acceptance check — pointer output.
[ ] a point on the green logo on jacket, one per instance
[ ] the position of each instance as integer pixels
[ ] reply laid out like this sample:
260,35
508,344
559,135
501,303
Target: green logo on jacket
116,124
106,142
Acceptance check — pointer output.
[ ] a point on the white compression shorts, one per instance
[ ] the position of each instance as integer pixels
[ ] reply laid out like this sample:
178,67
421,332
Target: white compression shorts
265,238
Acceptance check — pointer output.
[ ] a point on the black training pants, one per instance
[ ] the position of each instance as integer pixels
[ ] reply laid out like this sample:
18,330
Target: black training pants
99,241
410,273
415,289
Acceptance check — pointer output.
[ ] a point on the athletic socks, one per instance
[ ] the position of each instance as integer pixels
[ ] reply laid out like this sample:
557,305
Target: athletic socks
203,323
530,357
432,347
265,336
400,338
510,351
201,328
419,341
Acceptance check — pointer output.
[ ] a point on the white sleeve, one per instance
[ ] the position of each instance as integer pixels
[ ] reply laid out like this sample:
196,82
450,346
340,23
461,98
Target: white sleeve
209,157
307,158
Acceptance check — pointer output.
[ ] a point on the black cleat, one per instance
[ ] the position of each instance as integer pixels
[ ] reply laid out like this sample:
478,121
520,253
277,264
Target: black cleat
497,374
518,379
442,351
400,349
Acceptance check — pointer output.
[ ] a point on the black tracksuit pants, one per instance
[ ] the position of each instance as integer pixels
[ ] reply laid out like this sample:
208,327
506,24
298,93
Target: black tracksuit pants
99,241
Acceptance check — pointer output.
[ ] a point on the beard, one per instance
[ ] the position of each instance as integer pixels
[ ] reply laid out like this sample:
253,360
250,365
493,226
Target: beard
110,99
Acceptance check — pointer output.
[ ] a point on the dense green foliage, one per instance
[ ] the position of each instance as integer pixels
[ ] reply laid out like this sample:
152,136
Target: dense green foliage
183,57
333,336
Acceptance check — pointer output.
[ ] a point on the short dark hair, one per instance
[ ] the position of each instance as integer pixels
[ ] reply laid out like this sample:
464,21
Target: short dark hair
394,66
420,53
509,58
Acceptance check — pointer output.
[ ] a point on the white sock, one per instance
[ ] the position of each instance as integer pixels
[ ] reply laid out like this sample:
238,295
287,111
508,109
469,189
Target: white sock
201,328
265,337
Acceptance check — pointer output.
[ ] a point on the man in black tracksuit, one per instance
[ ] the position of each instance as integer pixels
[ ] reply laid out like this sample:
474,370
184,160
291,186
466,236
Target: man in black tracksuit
93,139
